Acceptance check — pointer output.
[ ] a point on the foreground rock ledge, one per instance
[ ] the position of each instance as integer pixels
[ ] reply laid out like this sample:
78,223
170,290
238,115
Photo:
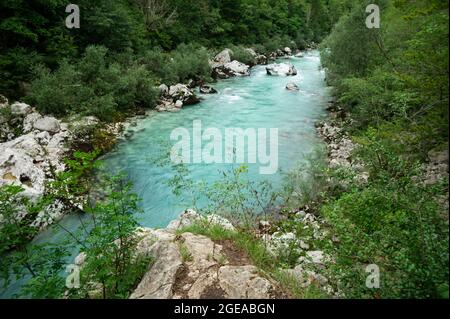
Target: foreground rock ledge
192,266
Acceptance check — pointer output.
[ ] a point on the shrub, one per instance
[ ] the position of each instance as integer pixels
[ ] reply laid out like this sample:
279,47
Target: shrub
242,55
92,86
189,61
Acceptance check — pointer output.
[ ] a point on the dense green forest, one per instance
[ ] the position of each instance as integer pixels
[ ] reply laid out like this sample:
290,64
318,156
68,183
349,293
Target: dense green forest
391,88
33,32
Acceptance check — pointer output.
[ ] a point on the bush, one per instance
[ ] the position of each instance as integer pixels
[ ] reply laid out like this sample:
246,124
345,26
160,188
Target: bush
394,222
93,86
189,61
241,54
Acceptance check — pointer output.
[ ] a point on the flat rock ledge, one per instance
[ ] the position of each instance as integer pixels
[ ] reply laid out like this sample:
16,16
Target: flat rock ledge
190,266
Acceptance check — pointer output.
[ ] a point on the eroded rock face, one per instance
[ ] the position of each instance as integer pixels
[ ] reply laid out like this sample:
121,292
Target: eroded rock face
29,160
159,280
281,69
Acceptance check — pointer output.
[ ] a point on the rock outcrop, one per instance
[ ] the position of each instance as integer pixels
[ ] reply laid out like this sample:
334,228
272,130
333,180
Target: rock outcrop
194,266
31,159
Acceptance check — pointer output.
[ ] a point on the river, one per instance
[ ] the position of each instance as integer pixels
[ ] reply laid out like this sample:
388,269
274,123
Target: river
258,101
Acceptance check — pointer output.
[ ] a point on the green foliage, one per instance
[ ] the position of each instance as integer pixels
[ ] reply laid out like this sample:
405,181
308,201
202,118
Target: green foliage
14,229
92,86
241,54
393,82
189,61
110,247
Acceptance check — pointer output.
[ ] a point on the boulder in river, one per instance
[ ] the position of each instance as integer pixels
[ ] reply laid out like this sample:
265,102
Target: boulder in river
183,93
292,87
206,89
287,50
281,69
234,68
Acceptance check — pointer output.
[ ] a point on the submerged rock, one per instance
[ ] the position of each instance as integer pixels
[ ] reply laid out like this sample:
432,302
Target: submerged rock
292,87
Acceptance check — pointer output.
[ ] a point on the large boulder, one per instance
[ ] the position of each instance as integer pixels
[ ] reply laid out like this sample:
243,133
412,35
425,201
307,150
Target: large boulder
190,216
48,124
19,108
287,50
237,68
183,93
29,120
163,89
231,69
223,57
261,59
281,69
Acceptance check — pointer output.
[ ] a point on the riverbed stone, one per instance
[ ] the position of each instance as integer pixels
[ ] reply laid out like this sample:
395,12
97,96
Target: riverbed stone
281,69
292,87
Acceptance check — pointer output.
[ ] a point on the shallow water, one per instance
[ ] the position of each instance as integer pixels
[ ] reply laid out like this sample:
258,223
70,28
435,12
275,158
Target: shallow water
257,101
